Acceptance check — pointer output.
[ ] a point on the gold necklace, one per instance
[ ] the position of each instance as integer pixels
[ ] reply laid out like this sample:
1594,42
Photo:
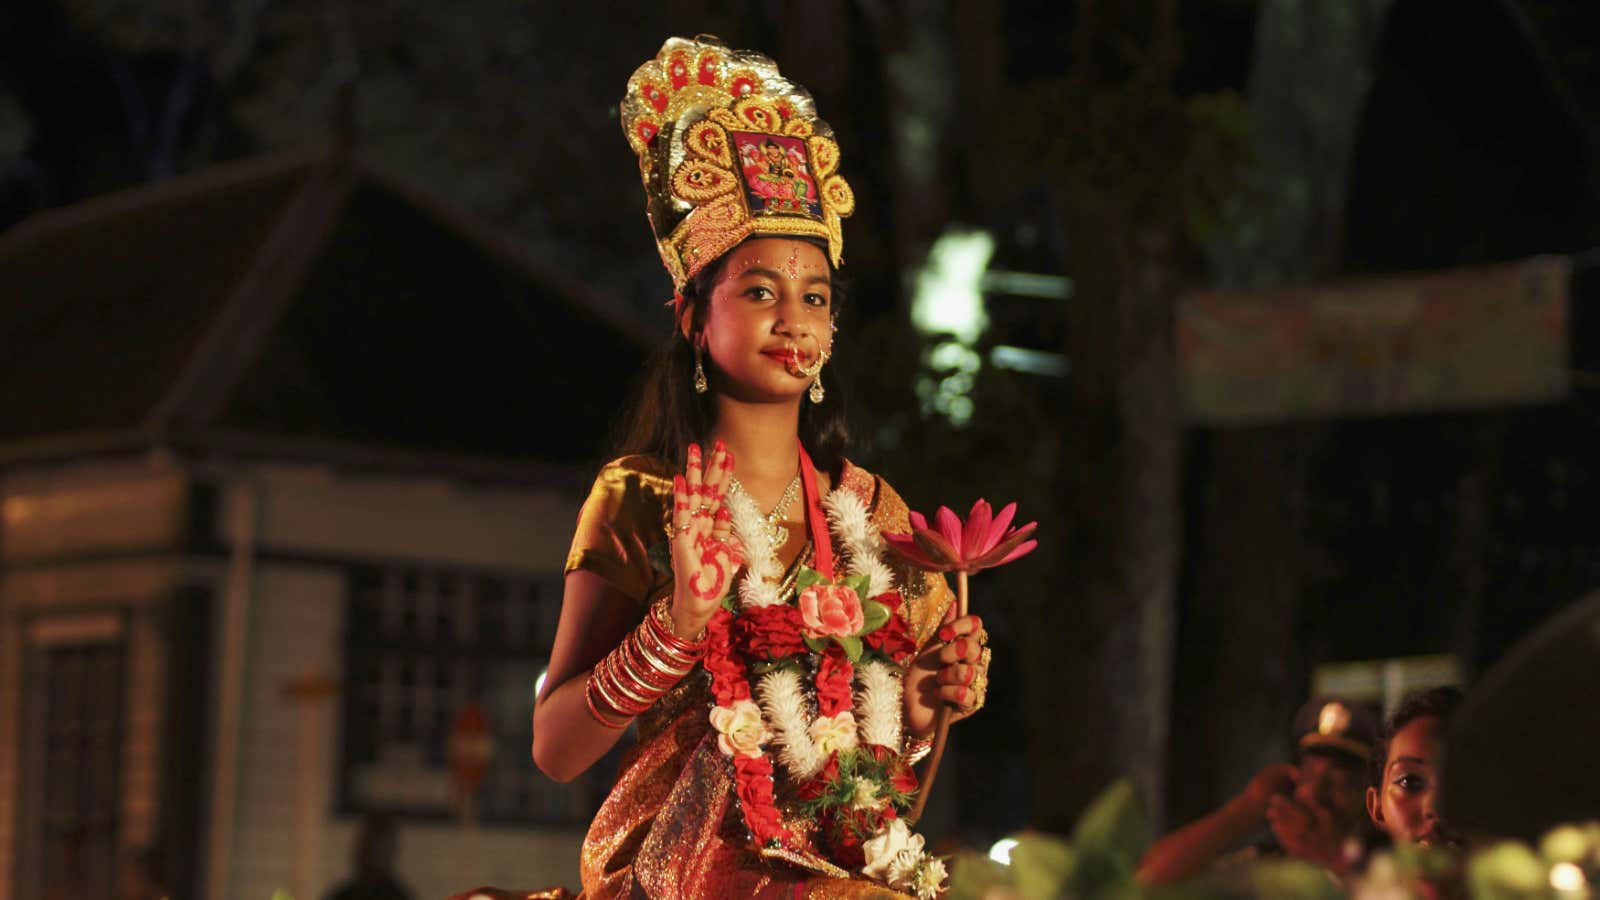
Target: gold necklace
777,532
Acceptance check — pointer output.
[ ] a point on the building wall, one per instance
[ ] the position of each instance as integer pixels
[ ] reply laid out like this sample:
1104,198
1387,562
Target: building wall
308,525
76,543
10,718
97,537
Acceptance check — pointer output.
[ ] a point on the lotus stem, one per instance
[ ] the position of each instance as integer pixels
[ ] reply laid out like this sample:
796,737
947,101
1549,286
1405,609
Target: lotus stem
941,726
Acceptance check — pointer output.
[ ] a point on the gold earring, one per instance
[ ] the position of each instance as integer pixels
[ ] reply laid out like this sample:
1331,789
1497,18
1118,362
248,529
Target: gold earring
700,383
817,393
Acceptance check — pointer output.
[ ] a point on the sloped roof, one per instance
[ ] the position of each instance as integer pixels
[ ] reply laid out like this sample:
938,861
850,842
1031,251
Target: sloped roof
309,299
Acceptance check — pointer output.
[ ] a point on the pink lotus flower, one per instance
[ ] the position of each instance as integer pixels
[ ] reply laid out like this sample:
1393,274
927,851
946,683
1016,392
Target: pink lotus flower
983,542
830,610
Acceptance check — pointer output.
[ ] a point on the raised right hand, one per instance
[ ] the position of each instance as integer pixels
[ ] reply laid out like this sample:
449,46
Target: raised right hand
1268,783
704,552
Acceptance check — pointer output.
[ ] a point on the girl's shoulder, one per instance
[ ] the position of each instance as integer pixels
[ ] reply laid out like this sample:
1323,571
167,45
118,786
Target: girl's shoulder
632,490
874,490
640,466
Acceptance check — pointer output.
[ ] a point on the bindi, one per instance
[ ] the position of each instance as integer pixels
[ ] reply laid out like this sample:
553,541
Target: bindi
793,265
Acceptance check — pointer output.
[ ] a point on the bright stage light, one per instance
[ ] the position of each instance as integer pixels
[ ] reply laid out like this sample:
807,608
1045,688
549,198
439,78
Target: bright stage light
1001,851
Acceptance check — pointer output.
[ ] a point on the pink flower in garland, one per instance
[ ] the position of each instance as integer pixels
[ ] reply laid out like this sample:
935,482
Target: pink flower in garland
984,541
831,610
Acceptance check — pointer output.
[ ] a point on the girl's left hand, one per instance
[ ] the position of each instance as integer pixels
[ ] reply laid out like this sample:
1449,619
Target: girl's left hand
952,673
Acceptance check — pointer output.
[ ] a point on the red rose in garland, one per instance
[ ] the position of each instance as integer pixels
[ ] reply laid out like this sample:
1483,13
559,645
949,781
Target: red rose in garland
769,632
833,682
893,639
728,682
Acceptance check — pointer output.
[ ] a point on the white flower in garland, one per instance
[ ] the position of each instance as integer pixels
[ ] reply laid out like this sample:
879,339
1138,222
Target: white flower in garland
834,734
878,703
928,880
740,729
867,795
893,853
759,587
863,546
784,703
802,740
895,857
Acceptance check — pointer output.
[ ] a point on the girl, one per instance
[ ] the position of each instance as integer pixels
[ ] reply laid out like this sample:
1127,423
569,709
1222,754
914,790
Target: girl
727,589
1402,798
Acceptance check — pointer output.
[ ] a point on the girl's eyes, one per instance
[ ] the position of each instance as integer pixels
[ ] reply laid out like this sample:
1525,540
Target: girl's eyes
1411,784
761,293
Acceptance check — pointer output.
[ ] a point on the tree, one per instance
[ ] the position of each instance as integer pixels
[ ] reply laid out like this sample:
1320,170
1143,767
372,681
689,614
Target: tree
1136,173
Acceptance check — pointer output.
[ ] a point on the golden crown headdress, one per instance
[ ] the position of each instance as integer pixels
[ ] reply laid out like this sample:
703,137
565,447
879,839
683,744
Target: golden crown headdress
728,148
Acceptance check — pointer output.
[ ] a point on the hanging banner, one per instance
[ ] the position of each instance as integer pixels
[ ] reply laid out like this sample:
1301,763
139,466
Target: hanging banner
1475,338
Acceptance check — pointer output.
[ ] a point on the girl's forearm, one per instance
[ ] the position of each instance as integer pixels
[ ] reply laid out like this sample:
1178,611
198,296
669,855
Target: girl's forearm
567,738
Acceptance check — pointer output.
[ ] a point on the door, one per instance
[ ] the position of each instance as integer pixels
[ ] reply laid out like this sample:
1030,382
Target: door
71,756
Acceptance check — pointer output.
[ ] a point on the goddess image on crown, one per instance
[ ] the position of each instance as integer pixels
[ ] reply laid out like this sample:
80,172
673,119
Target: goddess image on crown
729,592
776,174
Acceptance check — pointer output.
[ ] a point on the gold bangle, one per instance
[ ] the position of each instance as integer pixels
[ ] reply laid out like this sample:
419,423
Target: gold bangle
917,748
662,615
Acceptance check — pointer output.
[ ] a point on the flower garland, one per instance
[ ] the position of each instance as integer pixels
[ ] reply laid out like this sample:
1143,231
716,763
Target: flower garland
840,741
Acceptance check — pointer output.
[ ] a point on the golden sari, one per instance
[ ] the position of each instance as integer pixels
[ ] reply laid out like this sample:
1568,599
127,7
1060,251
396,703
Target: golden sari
671,825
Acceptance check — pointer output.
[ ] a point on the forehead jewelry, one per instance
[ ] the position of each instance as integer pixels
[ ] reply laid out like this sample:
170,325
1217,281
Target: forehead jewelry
794,263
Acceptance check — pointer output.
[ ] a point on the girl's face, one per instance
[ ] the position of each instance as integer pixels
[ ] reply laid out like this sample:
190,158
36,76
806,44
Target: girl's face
770,316
1403,803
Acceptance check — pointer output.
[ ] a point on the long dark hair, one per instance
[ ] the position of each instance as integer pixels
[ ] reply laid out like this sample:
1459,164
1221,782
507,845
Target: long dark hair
666,415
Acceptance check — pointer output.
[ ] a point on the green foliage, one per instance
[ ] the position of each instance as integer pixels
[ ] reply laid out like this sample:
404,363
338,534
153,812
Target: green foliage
1289,878
763,666
808,577
852,647
874,616
1099,861
1043,866
1507,871
1109,839
836,799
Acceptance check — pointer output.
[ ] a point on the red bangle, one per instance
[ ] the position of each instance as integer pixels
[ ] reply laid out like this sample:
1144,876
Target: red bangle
594,712
639,661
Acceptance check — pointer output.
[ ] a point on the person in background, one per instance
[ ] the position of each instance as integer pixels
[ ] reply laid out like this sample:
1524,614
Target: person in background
374,856
1402,799
1405,778
1313,806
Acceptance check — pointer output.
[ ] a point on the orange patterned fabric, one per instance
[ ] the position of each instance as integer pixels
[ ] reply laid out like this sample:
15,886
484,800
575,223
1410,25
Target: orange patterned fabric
671,826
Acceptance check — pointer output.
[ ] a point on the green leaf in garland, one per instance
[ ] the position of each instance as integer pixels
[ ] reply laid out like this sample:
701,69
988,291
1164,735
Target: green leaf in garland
860,584
808,577
728,604
817,645
764,666
873,615
852,646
